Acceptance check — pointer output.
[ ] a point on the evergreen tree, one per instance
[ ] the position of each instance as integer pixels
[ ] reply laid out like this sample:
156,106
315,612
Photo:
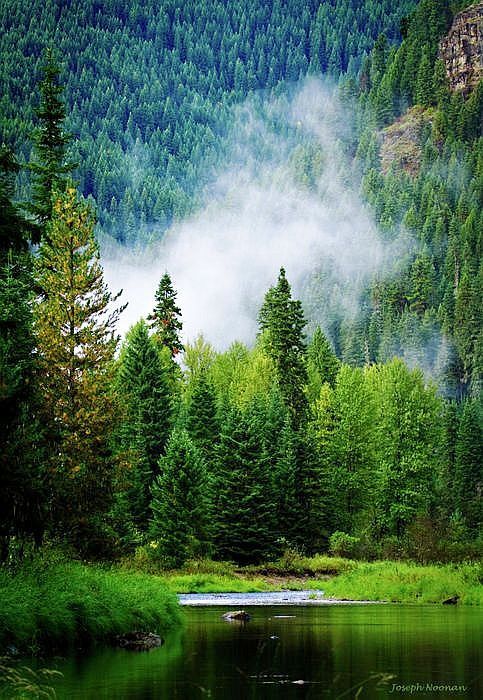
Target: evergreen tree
15,230
322,364
50,142
143,385
165,318
180,502
75,333
245,508
281,322
201,417
22,497
468,470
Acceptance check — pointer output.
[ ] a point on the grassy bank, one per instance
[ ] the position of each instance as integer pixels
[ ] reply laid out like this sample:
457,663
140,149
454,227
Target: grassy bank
409,583
48,604
390,581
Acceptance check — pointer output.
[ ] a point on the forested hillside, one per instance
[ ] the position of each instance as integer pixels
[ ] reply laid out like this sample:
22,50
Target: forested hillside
148,89
289,443
433,187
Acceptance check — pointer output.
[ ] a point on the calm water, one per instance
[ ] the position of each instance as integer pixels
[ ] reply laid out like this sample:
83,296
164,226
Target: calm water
336,650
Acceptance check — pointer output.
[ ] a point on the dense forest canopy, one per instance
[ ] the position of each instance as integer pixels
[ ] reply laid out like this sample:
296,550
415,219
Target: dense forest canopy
326,436
149,85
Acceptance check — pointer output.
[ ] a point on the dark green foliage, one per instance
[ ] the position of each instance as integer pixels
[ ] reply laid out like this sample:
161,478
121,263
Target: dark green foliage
166,317
50,141
181,502
468,467
15,230
201,417
149,87
143,385
245,515
22,505
281,322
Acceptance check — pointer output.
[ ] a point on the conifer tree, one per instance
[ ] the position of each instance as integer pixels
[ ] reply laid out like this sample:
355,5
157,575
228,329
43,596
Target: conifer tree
50,167
180,502
22,497
322,364
245,507
201,417
166,317
468,474
15,230
75,333
143,385
281,322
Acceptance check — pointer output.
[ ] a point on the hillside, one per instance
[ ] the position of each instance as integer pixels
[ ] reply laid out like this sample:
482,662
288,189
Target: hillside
148,90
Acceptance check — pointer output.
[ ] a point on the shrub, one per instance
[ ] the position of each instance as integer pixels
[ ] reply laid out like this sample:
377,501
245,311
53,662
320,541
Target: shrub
343,545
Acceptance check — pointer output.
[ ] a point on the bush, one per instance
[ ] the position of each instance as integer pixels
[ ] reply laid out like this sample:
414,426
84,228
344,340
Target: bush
343,545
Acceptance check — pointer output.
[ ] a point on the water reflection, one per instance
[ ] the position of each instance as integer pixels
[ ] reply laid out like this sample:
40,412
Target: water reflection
322,652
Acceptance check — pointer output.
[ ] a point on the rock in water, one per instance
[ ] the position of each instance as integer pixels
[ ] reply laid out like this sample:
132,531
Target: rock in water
240,615
139,641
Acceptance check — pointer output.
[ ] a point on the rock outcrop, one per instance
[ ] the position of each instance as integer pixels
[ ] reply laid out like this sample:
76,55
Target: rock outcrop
462,49
401,142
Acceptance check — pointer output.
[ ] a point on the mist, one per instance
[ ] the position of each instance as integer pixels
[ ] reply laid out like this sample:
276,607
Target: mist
283,196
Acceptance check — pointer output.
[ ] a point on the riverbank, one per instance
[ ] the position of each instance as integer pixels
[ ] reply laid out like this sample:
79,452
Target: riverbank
52,604
341,579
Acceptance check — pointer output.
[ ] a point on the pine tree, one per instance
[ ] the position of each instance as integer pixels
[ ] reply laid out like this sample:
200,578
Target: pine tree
180,502
165,318
22,497
322,364
281,322
50,168
75,333
15,230
468,471
245,507
201,417
144,390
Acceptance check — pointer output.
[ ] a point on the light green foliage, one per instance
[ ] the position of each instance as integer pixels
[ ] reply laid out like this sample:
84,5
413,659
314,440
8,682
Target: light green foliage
408,439
408,583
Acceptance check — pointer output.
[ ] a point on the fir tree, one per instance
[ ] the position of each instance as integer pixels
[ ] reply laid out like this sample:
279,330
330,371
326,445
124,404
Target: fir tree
245,507
281,322
180,502
50,167
144,389
201,417
165,318
468,470
322,364
75,333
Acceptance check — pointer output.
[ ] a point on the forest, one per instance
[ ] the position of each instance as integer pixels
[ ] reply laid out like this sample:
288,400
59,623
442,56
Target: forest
161,450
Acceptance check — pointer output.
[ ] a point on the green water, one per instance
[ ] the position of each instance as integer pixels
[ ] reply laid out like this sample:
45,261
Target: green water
337,651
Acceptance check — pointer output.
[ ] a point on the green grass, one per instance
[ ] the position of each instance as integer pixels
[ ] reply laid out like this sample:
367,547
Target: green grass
48,604
214,583
409,583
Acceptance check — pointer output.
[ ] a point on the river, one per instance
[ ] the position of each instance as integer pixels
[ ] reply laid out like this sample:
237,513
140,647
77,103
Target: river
292,651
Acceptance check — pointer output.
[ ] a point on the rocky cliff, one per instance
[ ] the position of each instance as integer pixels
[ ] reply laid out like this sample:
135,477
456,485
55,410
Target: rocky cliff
462,49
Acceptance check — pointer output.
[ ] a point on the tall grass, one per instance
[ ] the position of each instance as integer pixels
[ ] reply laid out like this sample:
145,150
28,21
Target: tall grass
409,583
46,603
